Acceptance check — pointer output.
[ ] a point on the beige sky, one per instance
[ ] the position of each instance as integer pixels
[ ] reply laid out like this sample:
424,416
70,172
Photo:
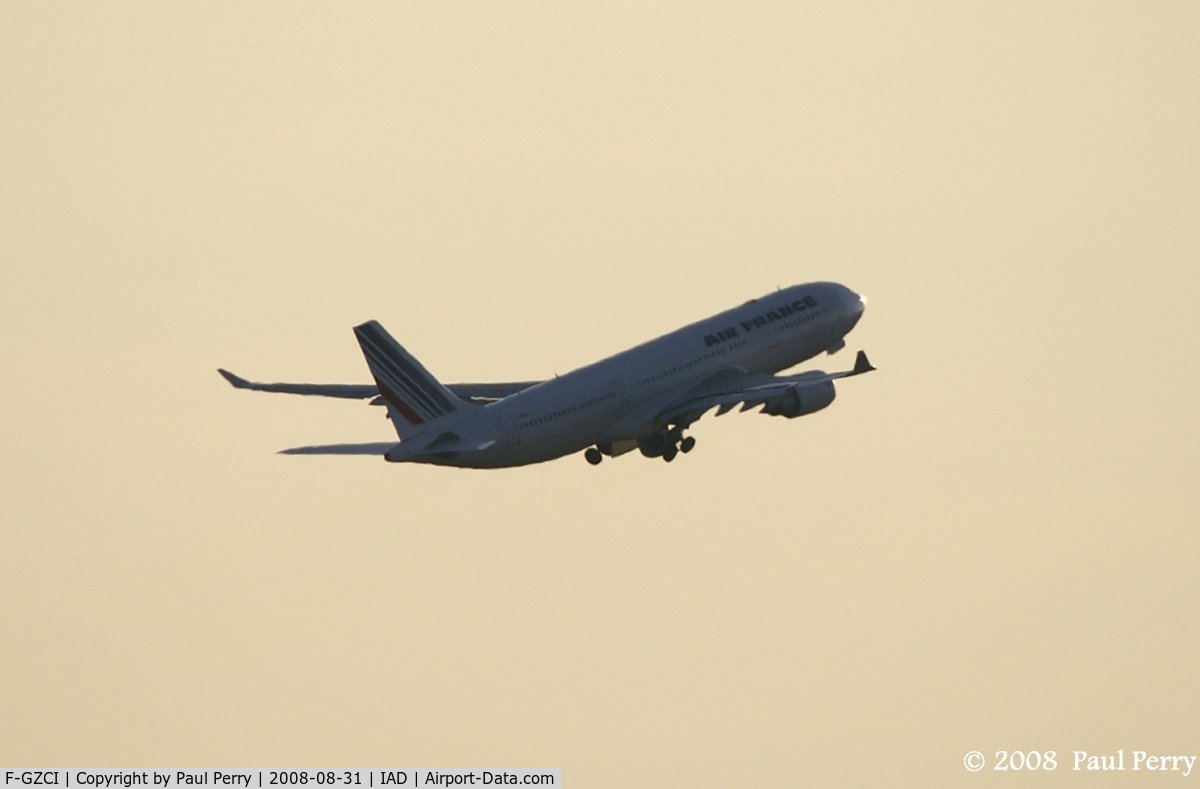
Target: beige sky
989,544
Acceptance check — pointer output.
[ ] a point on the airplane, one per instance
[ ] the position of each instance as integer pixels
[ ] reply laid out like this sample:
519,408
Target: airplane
643,398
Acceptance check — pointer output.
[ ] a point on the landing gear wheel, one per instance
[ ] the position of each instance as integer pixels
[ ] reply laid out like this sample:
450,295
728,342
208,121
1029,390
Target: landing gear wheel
593,456
687,444
669,455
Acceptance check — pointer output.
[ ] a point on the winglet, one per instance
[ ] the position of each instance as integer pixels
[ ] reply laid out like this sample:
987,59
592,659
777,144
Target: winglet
237,381
862,364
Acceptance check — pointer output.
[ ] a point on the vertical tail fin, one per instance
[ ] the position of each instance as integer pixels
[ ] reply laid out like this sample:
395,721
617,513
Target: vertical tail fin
414,398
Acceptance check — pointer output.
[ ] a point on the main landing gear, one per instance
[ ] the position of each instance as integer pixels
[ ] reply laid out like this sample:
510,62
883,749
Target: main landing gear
684,445
666,445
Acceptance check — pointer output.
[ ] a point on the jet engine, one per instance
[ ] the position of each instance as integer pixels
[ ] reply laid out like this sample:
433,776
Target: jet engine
801,399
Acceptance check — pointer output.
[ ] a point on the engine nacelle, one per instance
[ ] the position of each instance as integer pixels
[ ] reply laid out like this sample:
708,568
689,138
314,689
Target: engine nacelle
801,399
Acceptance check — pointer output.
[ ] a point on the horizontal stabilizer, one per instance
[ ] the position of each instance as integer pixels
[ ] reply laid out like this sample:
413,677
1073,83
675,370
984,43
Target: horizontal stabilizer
461,445
445,445
378,449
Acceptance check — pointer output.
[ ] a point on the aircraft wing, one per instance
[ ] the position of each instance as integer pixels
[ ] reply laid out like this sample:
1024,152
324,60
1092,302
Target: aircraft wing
353,391
484,392
789,395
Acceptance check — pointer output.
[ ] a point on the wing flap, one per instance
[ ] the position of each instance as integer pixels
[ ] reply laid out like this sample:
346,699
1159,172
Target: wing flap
490,391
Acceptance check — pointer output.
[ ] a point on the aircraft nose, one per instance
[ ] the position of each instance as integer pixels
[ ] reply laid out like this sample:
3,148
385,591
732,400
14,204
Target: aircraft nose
855,302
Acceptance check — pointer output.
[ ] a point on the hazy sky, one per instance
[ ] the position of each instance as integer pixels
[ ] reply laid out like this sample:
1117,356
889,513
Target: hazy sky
989,544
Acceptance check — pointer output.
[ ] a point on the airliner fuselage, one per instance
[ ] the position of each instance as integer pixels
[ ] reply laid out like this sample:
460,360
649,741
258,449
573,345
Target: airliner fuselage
599,403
